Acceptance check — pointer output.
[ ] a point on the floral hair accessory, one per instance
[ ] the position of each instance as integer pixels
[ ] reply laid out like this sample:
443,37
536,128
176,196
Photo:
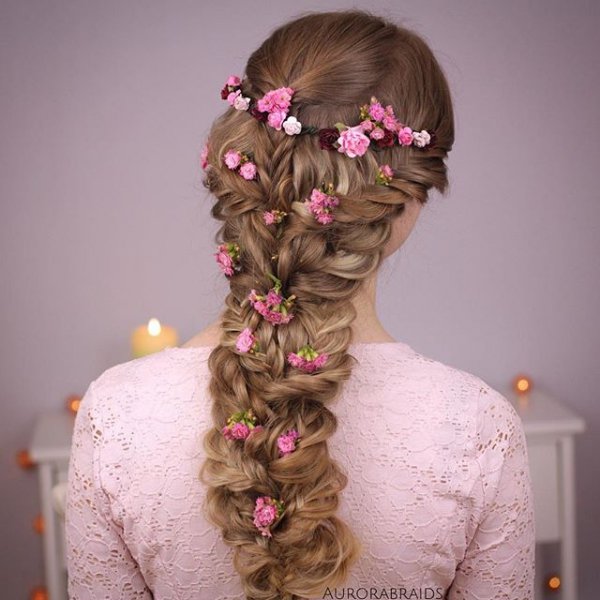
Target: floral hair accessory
266,511
321,202
378,128
385,174
274,216
273,307
272,108
307,359
228,256
247,342
240,425
233,94
286,442
240,162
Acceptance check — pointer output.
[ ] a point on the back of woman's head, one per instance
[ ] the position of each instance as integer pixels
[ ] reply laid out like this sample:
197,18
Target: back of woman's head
335,63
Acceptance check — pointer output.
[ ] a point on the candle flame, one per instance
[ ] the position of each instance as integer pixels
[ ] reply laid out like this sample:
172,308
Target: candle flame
154,327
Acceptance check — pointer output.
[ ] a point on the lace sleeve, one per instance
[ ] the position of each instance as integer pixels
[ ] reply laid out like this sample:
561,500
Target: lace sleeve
500,559
99,563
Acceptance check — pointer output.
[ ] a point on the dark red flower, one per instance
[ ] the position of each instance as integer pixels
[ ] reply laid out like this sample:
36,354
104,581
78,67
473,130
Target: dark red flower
328,137
431,141
225,92
386,140
257,114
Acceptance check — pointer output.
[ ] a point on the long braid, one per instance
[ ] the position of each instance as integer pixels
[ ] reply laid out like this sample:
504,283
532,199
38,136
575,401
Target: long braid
322,268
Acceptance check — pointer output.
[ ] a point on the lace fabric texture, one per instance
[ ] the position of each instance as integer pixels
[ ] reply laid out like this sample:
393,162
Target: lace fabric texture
439,489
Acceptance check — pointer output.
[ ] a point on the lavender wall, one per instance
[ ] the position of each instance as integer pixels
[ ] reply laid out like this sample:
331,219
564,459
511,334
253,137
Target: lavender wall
103,111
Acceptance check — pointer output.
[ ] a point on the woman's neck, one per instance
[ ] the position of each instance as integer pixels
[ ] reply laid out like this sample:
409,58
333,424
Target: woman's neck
367,327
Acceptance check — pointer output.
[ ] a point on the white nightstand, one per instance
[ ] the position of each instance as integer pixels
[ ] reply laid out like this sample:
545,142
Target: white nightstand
549,427
50,448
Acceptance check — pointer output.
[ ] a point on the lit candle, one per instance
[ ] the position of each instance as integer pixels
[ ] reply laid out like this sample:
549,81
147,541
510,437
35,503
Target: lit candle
152,337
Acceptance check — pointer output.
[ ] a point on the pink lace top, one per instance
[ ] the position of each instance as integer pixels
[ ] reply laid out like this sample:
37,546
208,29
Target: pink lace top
439,489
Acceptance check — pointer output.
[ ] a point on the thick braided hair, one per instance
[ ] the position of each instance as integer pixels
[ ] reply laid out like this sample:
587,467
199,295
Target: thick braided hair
335,62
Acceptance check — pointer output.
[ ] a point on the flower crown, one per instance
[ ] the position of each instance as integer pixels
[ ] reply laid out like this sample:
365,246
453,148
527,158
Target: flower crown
378,128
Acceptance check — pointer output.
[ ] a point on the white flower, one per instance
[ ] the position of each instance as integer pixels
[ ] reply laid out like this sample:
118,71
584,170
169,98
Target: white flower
241,102
421,138
292,126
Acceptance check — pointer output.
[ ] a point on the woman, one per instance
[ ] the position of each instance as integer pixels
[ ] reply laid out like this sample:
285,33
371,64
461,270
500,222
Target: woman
294,449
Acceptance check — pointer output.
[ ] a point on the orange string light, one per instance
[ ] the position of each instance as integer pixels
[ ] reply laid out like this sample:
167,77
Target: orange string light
73,402
38,593
522,384
24,459
38,524
553,582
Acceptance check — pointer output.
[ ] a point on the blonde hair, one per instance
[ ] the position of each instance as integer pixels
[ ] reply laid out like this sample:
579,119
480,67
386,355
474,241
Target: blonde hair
335,62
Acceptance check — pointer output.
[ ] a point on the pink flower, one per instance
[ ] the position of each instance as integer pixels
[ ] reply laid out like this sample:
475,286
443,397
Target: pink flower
273,307
274,216
405,136
266,511
377,133
324,218
287,442
232,96
277,103
280,98
283,97
367,125
245,340
225,262
232,159
307,359
227,257
320,204
204,156
248,170
240,431
241,102
384,175
264,515
273,298
387,170
390,122
261,307
276,118
353,142
233,80
265,104
376,111
295,360
239,425
320,360
275,317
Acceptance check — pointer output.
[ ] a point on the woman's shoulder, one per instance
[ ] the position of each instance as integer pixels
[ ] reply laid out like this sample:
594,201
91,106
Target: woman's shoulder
152,385
399,365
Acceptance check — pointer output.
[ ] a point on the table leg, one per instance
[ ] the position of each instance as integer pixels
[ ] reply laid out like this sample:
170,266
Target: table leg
54,579
568,549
